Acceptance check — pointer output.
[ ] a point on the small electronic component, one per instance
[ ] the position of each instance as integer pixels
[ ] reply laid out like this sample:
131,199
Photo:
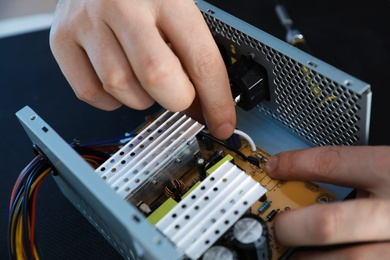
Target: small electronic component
264,207
253,160
175,189
220,252
250,236
272,215
201,167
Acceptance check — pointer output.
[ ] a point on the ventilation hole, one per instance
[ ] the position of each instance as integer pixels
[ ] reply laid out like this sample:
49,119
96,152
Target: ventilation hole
151,138
207,242
112,161
235,212
104,177
187,217
223,211
174,215
140,137
136,218
126,179
44,129
193,197
224,180
113,170
127,189
123,162
196,207
136,181
121,153
116,188
227,222
245,203
215,189
212,179
103,169
206,198
132,154
216,232
33,118
141,146
177,227
184,206
203,187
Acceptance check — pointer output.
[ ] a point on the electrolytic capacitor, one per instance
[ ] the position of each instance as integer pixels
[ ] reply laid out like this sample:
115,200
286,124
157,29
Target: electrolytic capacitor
220,252
250,237
201,167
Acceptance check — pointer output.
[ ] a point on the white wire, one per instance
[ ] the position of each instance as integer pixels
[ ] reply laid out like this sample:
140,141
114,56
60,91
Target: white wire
242,134
248,138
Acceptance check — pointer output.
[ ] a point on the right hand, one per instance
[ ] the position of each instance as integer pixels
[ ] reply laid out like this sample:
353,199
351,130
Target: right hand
135,52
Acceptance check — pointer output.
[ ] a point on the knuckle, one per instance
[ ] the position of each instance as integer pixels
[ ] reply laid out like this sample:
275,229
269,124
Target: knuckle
206,65
155,71
115,81
88,95
327,226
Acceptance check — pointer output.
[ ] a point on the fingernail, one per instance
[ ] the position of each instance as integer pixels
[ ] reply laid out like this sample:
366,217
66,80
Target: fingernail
271,164
224,131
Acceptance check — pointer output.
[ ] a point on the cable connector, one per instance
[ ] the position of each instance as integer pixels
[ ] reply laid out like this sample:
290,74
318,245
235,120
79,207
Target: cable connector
248,82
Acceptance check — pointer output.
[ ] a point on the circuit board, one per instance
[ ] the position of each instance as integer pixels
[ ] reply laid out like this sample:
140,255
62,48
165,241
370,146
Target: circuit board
280,196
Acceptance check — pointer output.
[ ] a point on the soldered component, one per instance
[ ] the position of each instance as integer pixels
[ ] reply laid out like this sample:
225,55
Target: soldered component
214,158
220,252
263,198
174,189
253,160
249,235
272,215
201,167
261,158
264,207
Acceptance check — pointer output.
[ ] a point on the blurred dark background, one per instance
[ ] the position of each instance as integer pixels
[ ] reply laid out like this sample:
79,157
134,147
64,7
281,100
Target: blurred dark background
352,36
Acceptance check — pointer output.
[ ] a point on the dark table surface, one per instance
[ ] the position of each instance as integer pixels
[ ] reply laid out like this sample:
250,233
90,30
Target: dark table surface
352,36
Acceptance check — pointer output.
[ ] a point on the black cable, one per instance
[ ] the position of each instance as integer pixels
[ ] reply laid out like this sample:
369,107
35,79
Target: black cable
216,140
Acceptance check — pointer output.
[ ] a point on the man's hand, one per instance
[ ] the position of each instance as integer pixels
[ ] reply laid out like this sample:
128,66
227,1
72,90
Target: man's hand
135,52
362,223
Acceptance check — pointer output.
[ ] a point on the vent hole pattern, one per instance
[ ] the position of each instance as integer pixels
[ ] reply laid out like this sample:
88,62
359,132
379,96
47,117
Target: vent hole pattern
311,105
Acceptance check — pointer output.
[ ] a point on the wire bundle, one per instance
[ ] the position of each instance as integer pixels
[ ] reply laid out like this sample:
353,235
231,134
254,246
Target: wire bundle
22,210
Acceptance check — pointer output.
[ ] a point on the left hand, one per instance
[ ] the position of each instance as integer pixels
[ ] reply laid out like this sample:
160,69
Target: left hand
361,226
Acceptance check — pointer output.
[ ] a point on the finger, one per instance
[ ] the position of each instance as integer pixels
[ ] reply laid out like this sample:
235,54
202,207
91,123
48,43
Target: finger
77,69
360,251
358,167
342,222
157,68
112,67
202,60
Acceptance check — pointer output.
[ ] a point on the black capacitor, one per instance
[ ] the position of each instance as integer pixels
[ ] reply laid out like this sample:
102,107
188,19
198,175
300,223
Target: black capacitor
201,167
249,235
220,252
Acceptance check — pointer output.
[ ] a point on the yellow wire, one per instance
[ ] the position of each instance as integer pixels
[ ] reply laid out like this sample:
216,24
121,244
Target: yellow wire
18,240
38,179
